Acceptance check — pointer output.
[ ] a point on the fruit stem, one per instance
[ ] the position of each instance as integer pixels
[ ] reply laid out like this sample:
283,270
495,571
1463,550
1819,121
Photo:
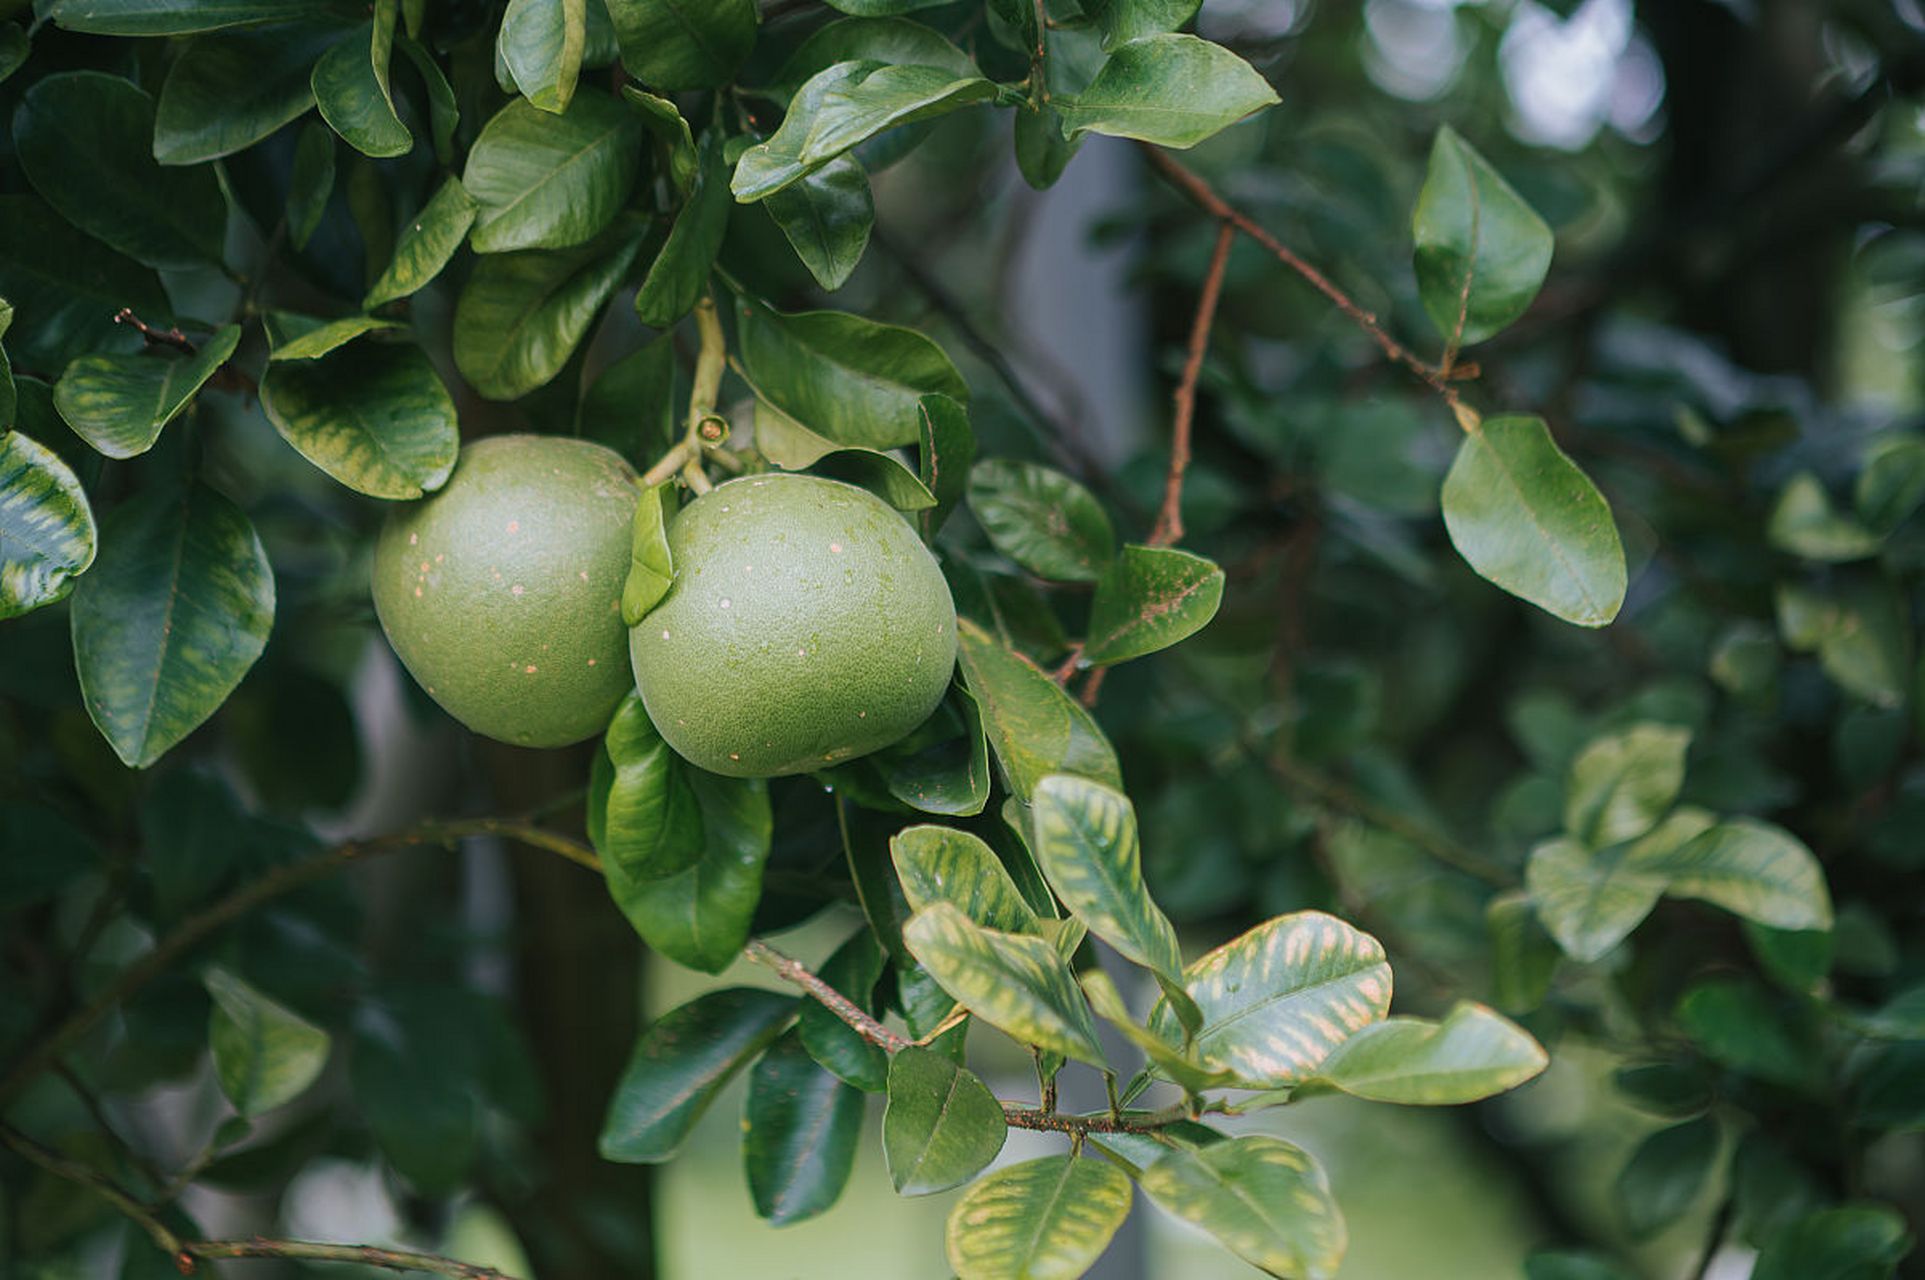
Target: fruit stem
710,363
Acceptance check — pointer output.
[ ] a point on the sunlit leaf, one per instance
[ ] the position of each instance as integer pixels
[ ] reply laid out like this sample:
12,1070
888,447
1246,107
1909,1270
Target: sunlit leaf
1472,1054
1267,1201
1481,252
1043,1218
1015,982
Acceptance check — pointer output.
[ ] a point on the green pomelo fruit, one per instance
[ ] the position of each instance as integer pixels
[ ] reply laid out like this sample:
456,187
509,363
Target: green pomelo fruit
807,625
502,592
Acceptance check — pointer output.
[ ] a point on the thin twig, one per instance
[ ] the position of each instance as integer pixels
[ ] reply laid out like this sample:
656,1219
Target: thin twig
793,970
99,1183
362,1254
156,337
1169,521
199,927
91,1101
1018,1117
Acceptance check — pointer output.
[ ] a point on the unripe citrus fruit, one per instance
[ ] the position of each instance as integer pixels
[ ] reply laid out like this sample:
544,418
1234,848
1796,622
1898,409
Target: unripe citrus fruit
502,593
807,625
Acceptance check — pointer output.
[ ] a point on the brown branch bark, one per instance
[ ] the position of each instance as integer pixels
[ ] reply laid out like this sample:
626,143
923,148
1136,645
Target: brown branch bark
362,1254
1169,520
1018,1117
155,337
793,970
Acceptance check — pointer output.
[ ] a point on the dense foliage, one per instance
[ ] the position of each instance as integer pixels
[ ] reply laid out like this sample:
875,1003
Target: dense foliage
1522,623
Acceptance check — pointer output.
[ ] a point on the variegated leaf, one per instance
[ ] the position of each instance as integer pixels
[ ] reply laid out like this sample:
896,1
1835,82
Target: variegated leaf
1589,901
1177,1065
297,337
1751,869
118,403
1047,1219
1266,1200
1034,727
1016,983
1472,1054
942,864
46,526
1278,999
373,415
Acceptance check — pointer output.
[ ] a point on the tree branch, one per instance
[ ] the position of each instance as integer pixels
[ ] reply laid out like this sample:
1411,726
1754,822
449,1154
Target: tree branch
99,1183
1048,1121
1169,521
793,970
363,1254
155,337
197,928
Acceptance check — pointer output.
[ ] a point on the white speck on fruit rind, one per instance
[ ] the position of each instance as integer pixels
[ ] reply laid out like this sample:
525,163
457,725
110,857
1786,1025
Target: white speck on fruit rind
515,590
725,602
664,633
514,526
414,539
529,669
835,548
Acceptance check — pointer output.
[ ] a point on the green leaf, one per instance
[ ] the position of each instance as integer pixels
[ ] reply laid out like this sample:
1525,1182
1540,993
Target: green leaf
946,448
942,864
853,969
1862,634
298,337
444,113
680,1063
850,380
1083,835
541,41
663,120
47,535
1892,484
700,917
1121,21
799,1134
1041,519
1150,598
312,182
1472,1054
1524,516
1176,1064
180,17
651,565
85,140
679,275
1481,251
427,246
1042,153
171,617
1739,1025
521,315
869,39
1751,869
1277,1000
1622,784
1666,1175
942,1125
416,1081
1677,1090
227,92
14,49
1015,982
71,284
1805,523
684,44
1043,1218
1589,901
1523,955
265,1054
1169,90
351,88
119,403
374,415
1854,1242
544,181
1034,727
827,216
948,775
1267,1201
652,820
1571,1264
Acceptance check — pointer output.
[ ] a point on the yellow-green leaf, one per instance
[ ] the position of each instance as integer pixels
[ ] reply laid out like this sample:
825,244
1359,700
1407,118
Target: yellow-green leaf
1047,1219
1473,1053
1266,1200
1015,982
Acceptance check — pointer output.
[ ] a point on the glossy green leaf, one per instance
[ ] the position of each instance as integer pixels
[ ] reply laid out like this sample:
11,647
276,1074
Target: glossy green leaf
700,917
180,17
849,380
71,284
942,864
265,1054
1740,1025
680,1063
1523,954
1852,1242
1170,90
1751,869
351,88
1481,251
1173,1063
882,7
47,535
1666,1175
521,315
663,121
1622,784
1523,515
546,181
427,245
1121,21
942,1125
1591,901
1267,1201
374,415
312,182
1805,523
298,337
444,113
85,140
827,216
679,276
1150,598
1277,1000
1034,728
170,618
683,44
1015,982
799,1134
870,39
1571,1264
1041,519
856,109
119,403
853,969
227,92
948,776
651,565
1892,485
1472,1054
415,1076
652,820
541,42
1047,1219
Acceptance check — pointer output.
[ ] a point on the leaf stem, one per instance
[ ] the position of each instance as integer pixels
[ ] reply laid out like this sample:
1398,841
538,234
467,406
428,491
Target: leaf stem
793,970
